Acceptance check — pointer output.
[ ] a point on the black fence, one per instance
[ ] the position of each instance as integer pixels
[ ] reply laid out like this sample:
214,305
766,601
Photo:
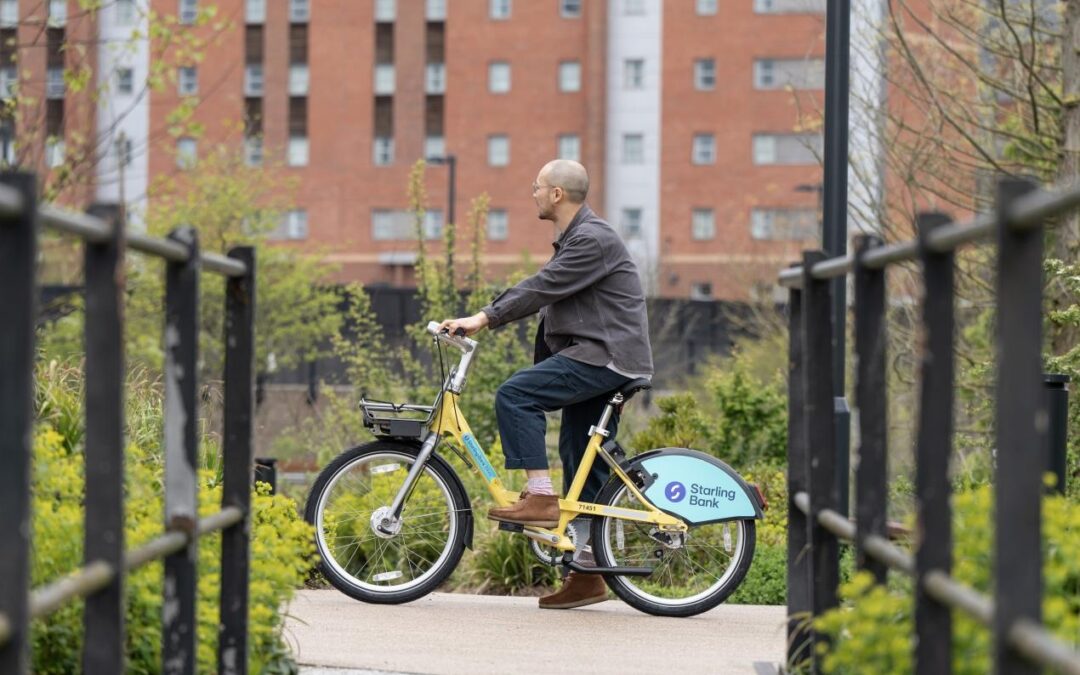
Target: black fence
816,526
101,581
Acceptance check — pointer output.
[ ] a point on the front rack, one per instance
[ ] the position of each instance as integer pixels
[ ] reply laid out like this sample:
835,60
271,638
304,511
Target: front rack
397,420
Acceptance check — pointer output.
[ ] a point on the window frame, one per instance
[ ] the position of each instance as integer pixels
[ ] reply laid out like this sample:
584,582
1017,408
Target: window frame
708,156
705,74
568,70
571,9
492,143
495,16
182,84
626,157
702,230
504,233
634,76
492,65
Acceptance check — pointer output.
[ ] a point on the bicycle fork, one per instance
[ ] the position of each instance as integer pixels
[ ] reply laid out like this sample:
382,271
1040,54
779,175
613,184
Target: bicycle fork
393,514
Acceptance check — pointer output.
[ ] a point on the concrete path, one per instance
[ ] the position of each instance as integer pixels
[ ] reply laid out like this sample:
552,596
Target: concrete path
473,634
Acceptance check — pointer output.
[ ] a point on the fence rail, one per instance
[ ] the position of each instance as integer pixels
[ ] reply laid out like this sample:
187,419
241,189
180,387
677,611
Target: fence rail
815,527
101,580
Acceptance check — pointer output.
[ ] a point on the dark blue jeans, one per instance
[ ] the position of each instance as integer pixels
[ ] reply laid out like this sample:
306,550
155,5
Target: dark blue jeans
580,390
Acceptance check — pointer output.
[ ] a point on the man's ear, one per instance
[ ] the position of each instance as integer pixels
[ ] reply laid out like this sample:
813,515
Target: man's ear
559,196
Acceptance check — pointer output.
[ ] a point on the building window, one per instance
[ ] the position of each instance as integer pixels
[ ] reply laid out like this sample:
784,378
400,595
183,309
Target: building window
299,11
253,79
57,13
706,7
570,147
383,151
384,79
789,6
123,151
704,151
9,82
633,7
54,152
434,146
784,224
633,149
499,9
294,225
570,76
298,151
436,10
704,74
498,77
701,290
253,150
703,225
189,11
498,228
255,11
187,152
54,83
435,78
433,224
787,148
125,81
634,73
794,73
9,13
187,81
125,12
385,10
298,79
498,150
630,223
570,9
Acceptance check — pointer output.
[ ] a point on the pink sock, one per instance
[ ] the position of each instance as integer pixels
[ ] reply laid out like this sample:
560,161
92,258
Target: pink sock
540,486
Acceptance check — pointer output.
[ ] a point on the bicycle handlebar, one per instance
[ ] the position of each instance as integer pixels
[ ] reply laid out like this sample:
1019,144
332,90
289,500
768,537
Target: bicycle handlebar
458,339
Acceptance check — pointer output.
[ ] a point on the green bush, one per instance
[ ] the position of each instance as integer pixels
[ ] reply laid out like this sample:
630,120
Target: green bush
741,418
766,582
872,630
281,548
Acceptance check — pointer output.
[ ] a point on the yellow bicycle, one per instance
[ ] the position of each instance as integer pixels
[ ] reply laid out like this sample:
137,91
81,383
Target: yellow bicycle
673,531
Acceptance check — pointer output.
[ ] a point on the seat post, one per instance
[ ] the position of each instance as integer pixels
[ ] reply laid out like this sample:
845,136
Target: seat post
605,418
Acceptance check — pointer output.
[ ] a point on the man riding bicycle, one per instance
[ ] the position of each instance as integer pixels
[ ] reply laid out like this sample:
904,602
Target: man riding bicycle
594,322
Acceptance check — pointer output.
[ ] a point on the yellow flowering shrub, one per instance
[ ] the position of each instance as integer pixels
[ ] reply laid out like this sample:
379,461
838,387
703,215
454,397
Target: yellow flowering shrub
871,631
282,550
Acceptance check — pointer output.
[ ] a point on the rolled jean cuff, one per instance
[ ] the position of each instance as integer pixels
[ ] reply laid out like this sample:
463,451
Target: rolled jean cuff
534,463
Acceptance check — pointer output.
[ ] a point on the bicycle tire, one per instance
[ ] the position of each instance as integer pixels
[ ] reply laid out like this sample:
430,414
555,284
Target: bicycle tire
632,590
342,575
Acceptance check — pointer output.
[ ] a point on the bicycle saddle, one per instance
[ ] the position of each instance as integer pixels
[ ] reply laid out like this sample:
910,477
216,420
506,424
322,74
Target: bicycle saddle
634,386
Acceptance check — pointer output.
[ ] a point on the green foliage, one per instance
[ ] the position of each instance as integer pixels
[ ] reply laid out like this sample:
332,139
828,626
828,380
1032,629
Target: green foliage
501,352
766,582
741,419
1067,320
229,204
503,564
281,545
872,630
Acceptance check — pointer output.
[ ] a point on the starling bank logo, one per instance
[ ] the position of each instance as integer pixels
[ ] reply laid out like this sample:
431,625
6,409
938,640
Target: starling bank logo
675,491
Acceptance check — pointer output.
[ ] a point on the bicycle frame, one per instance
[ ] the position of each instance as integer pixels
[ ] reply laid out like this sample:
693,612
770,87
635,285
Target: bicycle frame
448,421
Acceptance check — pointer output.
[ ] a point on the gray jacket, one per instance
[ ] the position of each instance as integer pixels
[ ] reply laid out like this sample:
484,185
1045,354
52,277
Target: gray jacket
595,306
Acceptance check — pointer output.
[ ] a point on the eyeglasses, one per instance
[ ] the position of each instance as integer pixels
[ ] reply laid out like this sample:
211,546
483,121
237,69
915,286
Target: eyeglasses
536,187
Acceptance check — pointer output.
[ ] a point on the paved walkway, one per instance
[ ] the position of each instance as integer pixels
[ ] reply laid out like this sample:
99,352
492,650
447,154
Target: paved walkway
474,634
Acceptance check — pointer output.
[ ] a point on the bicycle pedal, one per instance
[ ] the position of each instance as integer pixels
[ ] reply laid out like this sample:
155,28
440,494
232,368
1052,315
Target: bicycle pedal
511,527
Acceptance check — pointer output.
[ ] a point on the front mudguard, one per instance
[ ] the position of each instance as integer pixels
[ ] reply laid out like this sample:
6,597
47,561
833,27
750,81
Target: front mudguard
696,487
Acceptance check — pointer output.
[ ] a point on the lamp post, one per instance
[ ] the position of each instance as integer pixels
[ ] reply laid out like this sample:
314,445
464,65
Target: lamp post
451,164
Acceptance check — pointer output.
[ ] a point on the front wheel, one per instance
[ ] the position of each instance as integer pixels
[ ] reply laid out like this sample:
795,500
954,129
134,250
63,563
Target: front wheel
693,571
365,552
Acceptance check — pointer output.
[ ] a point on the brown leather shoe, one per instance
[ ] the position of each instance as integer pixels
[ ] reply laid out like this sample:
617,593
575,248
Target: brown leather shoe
577,591
532,510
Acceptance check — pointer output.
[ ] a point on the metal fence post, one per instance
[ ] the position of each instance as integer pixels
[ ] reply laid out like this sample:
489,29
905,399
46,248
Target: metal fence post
237,451
18,310
1021,425
871,396
819,424
181,455
933,620
103,618
1057,437
798,571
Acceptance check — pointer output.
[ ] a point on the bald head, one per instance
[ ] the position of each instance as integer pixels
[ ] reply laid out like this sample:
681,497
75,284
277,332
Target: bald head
568,175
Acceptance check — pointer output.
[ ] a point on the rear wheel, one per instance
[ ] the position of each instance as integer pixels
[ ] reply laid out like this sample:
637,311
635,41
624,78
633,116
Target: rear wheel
365,552
693,571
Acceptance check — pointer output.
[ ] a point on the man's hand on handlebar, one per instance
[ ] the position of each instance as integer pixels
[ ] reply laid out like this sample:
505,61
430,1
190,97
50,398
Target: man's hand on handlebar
470,324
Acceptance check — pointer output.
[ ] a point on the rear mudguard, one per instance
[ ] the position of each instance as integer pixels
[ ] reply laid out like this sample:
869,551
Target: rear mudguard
696,487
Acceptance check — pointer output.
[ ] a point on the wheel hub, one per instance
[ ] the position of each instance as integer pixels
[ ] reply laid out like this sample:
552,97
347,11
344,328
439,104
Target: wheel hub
384,524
